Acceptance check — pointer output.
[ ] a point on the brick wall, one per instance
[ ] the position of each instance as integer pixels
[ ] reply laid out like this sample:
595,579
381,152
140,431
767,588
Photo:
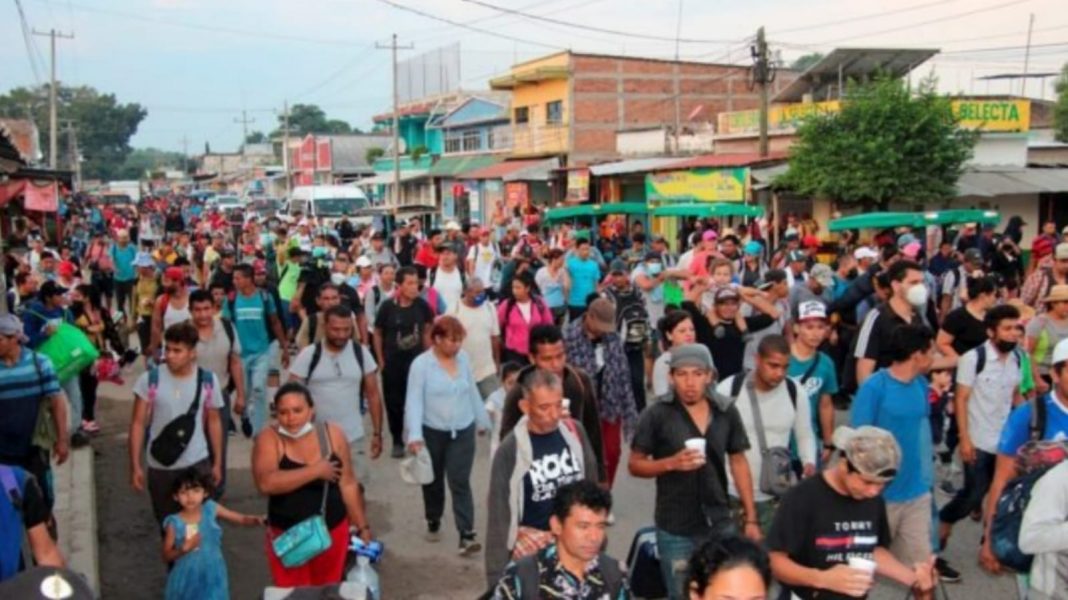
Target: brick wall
611,93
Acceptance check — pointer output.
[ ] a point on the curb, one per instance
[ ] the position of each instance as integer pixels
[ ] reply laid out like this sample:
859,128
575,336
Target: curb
75,513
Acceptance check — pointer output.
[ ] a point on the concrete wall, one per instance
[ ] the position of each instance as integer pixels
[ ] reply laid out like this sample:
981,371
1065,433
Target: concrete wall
1000,149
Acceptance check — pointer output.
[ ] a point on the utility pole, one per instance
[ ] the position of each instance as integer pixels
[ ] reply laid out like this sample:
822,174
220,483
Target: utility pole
1027,56
53,34
244,120
285,146
763,73
75,159
396,120
677,88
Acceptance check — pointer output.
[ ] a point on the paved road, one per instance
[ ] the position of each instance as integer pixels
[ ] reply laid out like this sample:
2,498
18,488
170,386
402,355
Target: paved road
131,567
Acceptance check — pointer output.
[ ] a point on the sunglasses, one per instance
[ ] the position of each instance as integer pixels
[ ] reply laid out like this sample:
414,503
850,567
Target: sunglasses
889,473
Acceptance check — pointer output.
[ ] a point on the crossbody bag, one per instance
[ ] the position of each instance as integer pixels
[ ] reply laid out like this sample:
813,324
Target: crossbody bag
309,538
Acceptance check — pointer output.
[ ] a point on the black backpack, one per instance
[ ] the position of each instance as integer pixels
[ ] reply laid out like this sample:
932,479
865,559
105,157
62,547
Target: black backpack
791,387
434,276
632,320
980,359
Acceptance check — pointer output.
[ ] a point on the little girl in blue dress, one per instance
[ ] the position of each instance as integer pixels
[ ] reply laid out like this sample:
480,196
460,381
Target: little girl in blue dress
192,541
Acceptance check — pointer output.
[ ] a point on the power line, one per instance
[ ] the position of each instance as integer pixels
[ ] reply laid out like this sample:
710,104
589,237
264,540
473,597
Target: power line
865,17
28,39
466,26
1002,48
630,34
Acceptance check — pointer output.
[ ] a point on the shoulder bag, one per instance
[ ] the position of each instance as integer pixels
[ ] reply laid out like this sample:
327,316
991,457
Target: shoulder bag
309,538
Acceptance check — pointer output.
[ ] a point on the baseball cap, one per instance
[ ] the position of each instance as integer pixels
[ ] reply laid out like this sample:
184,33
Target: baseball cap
144,259
452,226
726,294
49,289
864,252
822,274
1042,246
1057,293
973,255
378,235
911,249
1061,251
174,274
754,248
811,309
905,239
810,241
618,266
710,235
771,277
871,451
796,256
602,315
691,355
12,325
66,268
653,255
363,262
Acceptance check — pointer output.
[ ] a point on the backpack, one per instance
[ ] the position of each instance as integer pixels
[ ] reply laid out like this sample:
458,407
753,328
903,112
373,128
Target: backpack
643,565
527,572
13,480
739,382
266,299
980,358
1034,459
357,351
434,275
631,318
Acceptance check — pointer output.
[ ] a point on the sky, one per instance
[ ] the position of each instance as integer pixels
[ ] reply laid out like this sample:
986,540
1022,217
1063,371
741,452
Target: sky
197,64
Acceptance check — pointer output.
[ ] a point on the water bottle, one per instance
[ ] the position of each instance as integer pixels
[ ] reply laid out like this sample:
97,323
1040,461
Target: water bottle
372,550
365,575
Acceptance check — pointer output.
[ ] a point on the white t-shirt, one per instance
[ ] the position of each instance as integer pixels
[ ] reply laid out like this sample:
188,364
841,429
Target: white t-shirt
990,401
334,385
481,326
662,374
214,354
450,286
780,419
524,309
172,399
484,257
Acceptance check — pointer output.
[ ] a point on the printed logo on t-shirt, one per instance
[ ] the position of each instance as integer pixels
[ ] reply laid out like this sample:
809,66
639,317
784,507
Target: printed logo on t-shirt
813,386
551,471
849,539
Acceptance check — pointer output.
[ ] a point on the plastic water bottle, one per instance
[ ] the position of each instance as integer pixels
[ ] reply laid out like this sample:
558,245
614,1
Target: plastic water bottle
364,574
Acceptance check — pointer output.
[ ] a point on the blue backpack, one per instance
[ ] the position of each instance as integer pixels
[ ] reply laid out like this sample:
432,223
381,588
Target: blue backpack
13,480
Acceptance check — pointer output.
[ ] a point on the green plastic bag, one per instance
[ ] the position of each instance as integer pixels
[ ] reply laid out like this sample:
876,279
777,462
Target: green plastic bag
70,351
673,294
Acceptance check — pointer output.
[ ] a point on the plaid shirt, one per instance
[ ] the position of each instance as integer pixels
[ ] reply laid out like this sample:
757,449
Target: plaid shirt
554,581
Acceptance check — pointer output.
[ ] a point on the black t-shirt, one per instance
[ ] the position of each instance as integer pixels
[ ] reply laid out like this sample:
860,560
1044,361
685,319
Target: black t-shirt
967,331
873,339
725,341
553,467
406,252
350,299
34,510
224,278
402,328
312,275
662,431
819,528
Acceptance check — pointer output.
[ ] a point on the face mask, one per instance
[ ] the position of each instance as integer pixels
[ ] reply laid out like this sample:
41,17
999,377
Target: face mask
480,299
318,252
303,431
654,268
1005,347
917,295
337,278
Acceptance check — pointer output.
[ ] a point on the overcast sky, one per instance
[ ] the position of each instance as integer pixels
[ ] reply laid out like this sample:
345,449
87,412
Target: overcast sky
195,64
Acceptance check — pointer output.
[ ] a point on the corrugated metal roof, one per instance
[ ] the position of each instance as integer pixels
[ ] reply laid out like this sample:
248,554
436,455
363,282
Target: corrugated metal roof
541,171
852,63
634,165
387,178
449,166
1003,182
499,170
728,160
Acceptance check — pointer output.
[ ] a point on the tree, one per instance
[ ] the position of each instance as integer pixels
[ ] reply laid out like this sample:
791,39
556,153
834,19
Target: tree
102,124
143,160
309,118
1060,110
256,137
806,60
885,144
373,154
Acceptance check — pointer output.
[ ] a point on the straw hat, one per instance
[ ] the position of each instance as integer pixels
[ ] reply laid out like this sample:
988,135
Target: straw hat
1057,293
1026,312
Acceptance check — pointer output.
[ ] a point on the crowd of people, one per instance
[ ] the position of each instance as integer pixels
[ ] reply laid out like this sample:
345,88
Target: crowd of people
797,407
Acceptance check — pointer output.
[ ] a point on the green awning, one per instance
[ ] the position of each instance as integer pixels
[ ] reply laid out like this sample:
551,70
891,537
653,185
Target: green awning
448,166
593,210
955,216
877,221
708,209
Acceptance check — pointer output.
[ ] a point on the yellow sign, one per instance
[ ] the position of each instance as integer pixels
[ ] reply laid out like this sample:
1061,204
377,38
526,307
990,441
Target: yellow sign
578,185
698,185
993,115
780,117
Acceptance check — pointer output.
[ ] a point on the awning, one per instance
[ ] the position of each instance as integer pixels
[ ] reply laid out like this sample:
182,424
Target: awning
712,161
450,166
387,178
635,165
763,177
542,170
993,182
502,169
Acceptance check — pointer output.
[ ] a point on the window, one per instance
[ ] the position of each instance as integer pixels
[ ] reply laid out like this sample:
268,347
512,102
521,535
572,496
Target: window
472,141
452,144
554,112
522,115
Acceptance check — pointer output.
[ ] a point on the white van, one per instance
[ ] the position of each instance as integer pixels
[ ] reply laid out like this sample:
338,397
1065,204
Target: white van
328,202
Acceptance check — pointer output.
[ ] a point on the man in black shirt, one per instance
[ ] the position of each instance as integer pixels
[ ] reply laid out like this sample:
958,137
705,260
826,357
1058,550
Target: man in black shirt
687,445
828,528
723,330
402,332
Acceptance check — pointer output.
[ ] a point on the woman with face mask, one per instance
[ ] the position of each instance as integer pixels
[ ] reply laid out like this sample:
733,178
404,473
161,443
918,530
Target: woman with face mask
304,469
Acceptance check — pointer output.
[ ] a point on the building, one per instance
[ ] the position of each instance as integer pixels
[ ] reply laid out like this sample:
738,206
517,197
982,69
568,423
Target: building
571,105
332,159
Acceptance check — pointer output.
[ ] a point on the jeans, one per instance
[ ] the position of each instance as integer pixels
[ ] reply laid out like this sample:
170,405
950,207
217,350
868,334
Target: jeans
123,296
256,389
87,384
675,551
977,478
636,363
74,402
452,455
395,393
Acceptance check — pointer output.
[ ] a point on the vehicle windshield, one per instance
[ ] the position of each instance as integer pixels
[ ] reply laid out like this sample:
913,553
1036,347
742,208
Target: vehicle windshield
337,207
228,200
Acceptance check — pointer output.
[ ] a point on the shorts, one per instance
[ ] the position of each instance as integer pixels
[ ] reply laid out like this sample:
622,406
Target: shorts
361,467
910,529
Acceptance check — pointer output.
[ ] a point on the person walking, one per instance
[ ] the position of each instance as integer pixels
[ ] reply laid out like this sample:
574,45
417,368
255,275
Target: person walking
123,254
518,314
482,343
442,411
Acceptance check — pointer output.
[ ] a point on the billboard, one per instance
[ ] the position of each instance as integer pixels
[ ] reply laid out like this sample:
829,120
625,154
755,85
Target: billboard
429,74
698,185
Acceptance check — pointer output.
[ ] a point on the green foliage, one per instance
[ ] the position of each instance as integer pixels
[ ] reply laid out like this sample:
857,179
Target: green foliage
418,152
256,137
373,154
143,160
103,125
309,118
806,60
887,143
1060,110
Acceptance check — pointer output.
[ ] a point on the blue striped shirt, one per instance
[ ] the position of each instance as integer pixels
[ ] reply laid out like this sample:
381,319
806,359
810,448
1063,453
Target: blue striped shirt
23,387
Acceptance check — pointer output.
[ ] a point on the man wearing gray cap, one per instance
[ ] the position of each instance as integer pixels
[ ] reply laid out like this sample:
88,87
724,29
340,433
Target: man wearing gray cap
483,340
831,533
687,445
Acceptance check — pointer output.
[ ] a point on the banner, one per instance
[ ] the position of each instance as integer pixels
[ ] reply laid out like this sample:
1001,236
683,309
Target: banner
41,197
780,117
578,185
515,194
993,115
698,185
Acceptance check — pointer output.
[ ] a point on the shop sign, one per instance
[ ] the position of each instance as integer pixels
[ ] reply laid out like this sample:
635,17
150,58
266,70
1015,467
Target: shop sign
993,115
515,193
780,117
698,185
578,185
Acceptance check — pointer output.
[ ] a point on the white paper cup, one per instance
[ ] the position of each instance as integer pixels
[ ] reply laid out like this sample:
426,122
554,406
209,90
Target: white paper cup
567,405
862,564
696,444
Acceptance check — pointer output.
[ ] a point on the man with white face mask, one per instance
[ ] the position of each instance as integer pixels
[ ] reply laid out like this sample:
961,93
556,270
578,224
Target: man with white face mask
908,305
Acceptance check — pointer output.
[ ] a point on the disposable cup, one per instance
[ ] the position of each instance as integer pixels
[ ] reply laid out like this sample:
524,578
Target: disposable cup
696,444
567,404
862,564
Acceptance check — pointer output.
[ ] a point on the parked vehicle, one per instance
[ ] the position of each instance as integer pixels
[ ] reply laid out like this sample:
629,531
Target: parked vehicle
328,203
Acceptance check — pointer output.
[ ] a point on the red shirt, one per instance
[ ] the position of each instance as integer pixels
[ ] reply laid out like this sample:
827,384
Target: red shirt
426,256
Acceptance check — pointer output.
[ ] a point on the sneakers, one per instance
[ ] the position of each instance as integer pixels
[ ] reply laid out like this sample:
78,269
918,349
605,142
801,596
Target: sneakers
90,426
469,545
79,439
945,572
246,426
398,451
433,531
